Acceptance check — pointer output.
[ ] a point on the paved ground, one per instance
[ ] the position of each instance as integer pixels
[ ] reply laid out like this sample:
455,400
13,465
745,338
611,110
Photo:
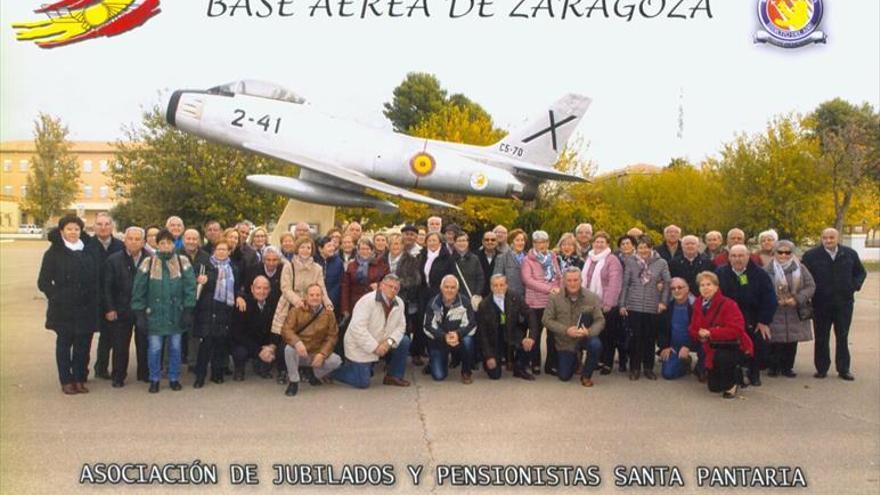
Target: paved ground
830,428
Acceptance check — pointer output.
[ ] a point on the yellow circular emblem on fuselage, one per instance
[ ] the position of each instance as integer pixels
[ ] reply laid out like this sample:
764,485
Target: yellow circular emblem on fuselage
96,15
422,164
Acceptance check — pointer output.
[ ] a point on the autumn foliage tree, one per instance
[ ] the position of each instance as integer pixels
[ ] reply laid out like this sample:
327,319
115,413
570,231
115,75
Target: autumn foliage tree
54,176
164,172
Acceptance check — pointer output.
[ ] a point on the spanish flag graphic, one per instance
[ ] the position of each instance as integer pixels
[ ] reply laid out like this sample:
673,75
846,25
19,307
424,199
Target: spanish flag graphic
72,21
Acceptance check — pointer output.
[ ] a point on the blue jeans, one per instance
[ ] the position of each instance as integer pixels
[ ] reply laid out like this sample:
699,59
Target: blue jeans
672,368
568,359
154,356
439,357
358,374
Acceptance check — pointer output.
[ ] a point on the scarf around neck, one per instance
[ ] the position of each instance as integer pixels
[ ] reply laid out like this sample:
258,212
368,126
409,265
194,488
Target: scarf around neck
780,279
74,246
546,261
644,267
594,267
224,290
363,267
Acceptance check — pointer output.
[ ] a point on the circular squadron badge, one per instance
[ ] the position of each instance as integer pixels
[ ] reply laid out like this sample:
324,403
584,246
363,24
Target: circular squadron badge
790,23
422,164
479,181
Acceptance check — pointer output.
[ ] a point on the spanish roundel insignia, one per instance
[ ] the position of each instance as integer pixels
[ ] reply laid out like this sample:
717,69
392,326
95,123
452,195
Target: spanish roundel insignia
422,164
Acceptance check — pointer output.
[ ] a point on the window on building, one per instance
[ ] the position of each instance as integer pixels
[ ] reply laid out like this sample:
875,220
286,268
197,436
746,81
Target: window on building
87,165
7,165
104,191
23,191
7,190
102,166
22,165
87,191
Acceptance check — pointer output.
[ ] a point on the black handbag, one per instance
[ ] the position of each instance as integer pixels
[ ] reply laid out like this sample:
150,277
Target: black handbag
805,310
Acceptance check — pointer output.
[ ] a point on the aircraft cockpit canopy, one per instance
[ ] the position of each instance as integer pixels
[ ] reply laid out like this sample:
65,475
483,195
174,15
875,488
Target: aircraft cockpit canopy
260,89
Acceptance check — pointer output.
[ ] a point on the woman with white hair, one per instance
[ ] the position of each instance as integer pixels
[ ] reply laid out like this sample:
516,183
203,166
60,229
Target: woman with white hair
542,278
791,322
766,242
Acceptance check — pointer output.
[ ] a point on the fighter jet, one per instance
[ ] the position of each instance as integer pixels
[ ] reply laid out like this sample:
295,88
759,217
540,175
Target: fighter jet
341,162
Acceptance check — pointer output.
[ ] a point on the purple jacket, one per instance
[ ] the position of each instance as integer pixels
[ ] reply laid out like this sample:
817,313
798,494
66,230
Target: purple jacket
538,289
611,277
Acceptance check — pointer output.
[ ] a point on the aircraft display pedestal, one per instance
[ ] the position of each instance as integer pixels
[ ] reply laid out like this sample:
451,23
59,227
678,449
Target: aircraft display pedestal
319,217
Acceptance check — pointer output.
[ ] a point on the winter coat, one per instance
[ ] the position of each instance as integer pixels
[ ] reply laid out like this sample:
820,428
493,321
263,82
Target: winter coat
756,297
515,328
665,253
274,284
611,278
119,273
689,269
252,328
644,297
213,318
164,288
333,271
725,324
201,259
468,266
787,326
537,288
244,257
441,267
319,336
410,274
96,250
507,265
562,313
69,279
836,280
369,326
352,290
441,320
296,277
488,268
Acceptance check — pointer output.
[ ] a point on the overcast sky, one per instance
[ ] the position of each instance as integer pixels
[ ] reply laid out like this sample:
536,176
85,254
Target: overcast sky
634,71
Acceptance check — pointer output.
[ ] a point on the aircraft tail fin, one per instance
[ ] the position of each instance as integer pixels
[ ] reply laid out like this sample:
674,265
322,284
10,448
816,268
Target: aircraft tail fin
541,139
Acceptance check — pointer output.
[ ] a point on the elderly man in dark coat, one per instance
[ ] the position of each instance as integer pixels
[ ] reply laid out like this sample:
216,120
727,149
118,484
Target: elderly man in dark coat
503,325
839,274
119,272
750,286
100,247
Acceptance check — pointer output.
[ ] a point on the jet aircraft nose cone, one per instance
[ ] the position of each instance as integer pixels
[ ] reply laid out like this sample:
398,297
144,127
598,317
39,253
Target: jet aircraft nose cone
171,107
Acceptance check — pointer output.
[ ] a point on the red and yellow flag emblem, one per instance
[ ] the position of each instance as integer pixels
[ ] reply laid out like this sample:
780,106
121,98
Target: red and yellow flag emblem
71,21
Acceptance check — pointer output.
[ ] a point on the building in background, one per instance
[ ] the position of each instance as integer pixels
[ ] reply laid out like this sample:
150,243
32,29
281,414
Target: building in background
96,194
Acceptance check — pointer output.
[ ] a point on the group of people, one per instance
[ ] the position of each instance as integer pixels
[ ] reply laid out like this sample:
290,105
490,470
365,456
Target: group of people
329,309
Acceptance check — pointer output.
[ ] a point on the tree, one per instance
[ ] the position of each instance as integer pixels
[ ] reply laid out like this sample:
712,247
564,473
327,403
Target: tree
773,180
850,140
167,172
418,96
54,179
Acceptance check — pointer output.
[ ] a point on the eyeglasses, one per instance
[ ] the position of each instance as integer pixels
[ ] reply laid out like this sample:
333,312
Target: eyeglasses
490,240
786,253
678,287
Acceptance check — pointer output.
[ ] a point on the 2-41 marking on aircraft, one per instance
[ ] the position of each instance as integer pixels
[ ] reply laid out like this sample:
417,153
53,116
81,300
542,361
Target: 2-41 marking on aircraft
265,122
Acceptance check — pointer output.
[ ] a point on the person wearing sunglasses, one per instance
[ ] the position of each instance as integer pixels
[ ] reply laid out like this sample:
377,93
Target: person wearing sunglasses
791,322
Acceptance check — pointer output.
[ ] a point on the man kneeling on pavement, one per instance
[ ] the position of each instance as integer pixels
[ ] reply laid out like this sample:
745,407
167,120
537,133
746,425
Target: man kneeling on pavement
310,333
575,317
377,330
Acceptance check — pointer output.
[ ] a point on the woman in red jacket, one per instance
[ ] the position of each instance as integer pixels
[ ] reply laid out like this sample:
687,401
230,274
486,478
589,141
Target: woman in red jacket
362,275
718,323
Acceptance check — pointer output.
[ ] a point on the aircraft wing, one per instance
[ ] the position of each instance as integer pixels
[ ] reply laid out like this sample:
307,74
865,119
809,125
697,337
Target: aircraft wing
539,171
345,175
